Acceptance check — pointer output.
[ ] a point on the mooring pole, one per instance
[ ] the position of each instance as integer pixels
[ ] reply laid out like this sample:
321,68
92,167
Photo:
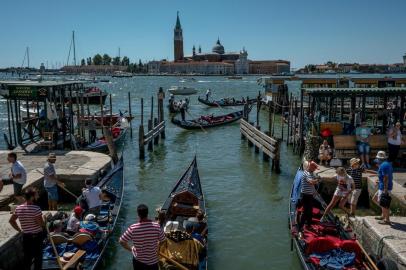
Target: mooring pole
131,116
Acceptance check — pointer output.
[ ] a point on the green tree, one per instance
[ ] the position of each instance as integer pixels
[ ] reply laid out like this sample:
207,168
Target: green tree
97,60
89,61
125,61
82,62
106,59
116,61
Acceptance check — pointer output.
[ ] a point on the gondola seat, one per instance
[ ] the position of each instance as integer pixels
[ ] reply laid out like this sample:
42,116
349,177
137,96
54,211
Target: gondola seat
59,238
185,204
352,246
320,245
80,239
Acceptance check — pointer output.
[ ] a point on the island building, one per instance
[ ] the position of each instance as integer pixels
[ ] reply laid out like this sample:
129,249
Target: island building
216,62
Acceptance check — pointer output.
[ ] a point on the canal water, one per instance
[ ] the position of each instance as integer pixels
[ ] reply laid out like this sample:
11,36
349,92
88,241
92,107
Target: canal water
247,204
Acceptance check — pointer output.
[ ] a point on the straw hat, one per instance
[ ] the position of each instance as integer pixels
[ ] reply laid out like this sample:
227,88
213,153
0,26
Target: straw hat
381,155
355,161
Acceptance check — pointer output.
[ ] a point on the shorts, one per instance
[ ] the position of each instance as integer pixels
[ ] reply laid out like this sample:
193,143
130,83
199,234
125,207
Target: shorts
363,148
18,189
354,196
52,193
379,194
340,193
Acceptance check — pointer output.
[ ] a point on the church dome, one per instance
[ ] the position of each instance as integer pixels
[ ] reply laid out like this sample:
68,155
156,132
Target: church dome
218,48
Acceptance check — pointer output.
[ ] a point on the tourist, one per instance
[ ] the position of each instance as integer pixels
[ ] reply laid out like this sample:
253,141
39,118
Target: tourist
182,109
32,224
51,182
208,93
92,195
201,226
145,237
92,129
74,220
363,134
385,184
89,225
345,186
325,153
394,141
17,176
307,191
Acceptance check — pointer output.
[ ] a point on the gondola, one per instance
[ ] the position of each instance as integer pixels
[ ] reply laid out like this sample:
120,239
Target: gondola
325,242
113,189
119,133
225,102
179,210
208,121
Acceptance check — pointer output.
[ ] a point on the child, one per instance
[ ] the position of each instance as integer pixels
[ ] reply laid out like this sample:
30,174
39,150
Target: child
325,153
345,185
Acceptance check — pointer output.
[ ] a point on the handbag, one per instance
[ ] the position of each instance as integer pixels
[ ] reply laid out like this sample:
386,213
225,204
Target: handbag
385,200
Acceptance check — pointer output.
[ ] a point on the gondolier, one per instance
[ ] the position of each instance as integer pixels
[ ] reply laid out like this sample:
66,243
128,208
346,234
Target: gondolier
183,109
51,182
208,94
32,224
145,237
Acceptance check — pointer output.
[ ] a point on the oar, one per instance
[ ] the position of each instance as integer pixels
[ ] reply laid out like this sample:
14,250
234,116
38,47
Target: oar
62,187
54,247
196,122
174,262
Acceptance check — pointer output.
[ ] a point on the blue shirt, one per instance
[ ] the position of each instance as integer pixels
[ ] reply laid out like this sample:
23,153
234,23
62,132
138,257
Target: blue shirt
385,169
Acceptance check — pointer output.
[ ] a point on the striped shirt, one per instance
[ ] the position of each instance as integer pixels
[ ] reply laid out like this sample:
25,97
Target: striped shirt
27,215
356,175
145,237
307,188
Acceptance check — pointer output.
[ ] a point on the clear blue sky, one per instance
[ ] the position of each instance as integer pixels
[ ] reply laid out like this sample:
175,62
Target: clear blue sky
365,31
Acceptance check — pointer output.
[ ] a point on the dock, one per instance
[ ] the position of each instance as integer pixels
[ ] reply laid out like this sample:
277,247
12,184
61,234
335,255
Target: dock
72,168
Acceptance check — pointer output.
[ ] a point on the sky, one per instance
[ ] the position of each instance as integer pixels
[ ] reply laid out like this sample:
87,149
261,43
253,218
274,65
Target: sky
301,31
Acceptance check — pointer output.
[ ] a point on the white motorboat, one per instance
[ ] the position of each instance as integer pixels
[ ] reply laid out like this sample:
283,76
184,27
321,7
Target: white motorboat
182,90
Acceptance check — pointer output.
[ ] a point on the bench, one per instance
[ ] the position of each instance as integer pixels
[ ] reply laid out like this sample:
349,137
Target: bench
345,146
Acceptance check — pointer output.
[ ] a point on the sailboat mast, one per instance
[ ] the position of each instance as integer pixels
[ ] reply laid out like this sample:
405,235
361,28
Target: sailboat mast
28,57
74,49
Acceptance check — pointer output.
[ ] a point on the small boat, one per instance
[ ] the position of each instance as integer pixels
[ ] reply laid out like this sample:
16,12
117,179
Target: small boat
234,77
121,74
208,121
179,209
182,90
224,102
174,106
108,117
88,251
118,131
91,95
326,242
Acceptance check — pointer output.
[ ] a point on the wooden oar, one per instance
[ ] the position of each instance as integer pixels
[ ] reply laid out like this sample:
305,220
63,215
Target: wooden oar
196,122
62,187
174,262
73,261
54,248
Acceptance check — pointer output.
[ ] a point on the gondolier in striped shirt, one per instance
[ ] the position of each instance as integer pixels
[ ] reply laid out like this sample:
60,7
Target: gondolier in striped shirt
307,193
32,224
145,237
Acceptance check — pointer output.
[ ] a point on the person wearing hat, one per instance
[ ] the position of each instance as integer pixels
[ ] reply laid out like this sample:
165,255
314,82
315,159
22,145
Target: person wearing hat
307,191
363,133
394,141
355,171
51,182
385,185
345,186
89,225
74,220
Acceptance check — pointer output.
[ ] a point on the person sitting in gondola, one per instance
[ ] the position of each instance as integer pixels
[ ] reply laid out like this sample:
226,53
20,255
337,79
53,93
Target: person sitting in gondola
201,226
89,225
74,220
345,186
308,180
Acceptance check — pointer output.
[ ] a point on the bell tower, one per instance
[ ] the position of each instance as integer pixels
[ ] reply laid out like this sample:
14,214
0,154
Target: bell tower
178,40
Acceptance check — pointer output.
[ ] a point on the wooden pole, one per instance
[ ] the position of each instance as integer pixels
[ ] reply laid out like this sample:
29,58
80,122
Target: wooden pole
301,124
150,143
82,112
161,105
109,139
111,111
152,108
9,123
156,139
18,124
270,118
101,112
142,111
273,118
141,144
256,148
250,144
131,115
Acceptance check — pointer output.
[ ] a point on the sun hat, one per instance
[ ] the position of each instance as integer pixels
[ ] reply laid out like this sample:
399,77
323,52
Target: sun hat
90,217
381,155
354,161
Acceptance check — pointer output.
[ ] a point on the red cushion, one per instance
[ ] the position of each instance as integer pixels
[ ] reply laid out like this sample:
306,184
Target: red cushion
320,245
352,246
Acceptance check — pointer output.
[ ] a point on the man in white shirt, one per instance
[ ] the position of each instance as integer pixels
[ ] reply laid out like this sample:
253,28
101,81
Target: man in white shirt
17,176
92,195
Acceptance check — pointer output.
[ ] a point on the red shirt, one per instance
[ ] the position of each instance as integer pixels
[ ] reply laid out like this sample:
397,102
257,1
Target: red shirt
145,237
27,215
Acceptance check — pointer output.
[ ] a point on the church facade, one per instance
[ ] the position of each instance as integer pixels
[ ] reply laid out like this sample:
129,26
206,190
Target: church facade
215,62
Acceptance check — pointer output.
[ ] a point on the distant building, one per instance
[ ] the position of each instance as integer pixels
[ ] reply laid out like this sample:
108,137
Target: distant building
404,60
93,69
216,62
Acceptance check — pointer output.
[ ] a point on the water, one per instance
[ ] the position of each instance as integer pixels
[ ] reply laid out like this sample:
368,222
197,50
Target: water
247,203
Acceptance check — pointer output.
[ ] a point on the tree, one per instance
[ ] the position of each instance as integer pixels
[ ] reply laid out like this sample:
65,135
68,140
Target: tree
89,61
116,61
82,62
106,59
97,60
125,61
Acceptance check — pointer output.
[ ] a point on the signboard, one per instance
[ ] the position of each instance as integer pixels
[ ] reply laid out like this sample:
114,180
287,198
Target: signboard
26,91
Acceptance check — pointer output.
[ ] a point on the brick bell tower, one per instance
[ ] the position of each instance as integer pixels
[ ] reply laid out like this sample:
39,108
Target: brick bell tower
178,40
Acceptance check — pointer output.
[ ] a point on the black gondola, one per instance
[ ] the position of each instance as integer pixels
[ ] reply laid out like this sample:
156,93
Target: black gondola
181,207
94,246
325,242
119,132
208,121
225,102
